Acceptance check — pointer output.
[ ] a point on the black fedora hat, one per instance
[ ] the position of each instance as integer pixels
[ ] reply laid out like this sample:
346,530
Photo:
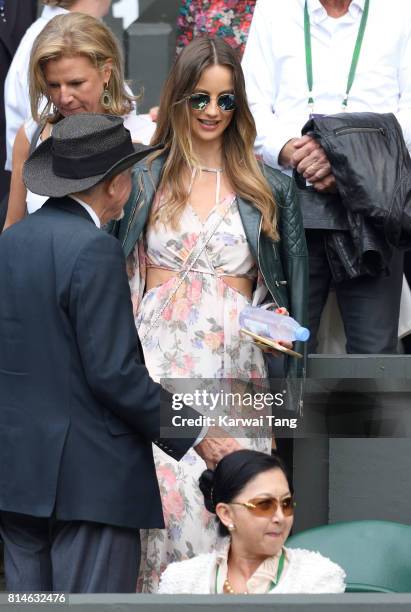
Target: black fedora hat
83,150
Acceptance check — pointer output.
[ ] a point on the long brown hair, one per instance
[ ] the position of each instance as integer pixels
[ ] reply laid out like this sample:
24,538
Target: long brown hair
173,123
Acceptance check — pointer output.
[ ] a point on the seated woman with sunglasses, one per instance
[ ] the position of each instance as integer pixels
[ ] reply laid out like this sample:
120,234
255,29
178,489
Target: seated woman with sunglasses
250,494
205,233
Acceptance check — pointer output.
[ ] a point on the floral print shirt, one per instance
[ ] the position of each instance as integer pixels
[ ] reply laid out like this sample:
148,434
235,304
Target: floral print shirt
230,19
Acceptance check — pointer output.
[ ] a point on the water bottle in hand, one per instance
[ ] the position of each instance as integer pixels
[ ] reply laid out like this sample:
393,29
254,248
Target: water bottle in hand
272,325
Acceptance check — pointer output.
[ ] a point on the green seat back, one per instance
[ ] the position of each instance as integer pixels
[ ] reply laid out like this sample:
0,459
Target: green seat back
376,555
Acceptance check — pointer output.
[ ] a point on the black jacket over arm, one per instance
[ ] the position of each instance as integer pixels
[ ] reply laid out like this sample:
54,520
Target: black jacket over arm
372,169
78,410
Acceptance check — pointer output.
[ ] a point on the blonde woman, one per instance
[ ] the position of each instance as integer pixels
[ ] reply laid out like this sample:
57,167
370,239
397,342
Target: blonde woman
205,233
76,66
16,90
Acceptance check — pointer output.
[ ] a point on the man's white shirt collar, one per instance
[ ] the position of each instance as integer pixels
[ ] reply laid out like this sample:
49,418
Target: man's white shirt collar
317,11
88,208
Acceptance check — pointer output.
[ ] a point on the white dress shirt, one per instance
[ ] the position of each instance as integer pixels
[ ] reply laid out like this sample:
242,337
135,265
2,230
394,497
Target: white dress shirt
89,209
275,72
16,88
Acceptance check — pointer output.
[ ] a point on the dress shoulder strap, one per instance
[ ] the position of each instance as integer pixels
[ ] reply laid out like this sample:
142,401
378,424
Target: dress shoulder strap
34,139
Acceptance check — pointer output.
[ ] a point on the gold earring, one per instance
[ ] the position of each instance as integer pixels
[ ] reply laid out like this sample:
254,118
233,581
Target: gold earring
106,99
231,527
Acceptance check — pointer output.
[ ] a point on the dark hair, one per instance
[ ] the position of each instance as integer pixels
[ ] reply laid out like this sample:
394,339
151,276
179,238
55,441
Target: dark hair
232,474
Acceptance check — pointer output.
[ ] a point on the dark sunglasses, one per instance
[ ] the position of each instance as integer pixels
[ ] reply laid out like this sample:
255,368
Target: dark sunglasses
268,506
199,101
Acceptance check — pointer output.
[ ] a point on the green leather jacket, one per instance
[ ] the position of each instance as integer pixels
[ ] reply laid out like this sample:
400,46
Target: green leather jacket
283,264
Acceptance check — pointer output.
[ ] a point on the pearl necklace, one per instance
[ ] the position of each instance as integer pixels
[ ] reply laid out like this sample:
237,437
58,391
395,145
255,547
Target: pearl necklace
229,589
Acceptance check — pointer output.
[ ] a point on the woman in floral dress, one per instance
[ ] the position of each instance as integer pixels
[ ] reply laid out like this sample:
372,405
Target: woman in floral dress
230,19
192,269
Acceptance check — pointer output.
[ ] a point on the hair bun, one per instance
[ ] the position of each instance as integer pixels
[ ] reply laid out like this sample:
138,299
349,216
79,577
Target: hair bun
206,483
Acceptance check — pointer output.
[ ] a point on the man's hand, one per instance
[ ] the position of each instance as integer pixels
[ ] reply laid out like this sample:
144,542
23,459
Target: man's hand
287,152
309,159
326,185
215,446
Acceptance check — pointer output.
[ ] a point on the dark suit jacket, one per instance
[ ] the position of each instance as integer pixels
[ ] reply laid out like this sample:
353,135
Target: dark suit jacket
20,14
78,410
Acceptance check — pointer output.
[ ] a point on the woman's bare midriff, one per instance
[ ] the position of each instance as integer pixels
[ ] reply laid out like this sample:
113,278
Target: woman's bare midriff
159,276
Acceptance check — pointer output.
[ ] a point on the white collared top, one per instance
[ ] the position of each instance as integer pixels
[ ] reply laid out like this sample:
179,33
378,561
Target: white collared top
260,582
89,209
16,88
307,572
275,71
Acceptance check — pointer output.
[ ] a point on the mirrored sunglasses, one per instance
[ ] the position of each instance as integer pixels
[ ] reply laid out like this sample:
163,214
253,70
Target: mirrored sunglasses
199,101
268,506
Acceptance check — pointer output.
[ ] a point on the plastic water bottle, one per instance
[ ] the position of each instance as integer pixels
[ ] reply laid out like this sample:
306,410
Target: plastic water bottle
272,325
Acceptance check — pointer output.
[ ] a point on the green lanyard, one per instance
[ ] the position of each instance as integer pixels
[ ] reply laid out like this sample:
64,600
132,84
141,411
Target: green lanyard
354,61
279,571
273,583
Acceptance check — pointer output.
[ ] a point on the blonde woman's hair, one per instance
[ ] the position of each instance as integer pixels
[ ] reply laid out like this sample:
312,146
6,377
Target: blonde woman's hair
71,35
173,129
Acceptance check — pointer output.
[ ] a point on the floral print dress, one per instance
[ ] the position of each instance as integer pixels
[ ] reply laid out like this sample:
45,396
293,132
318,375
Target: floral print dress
197,336
230,19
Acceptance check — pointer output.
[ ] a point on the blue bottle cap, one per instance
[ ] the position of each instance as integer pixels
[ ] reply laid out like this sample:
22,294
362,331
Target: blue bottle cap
302,334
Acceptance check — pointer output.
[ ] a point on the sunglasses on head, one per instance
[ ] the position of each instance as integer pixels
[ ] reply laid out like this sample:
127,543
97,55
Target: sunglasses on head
199,101
268,506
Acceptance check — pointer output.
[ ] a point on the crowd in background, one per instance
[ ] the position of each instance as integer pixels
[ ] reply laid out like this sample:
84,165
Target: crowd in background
267,187
231,21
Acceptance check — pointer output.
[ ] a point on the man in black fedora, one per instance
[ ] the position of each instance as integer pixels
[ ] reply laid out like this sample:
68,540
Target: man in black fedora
78,410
